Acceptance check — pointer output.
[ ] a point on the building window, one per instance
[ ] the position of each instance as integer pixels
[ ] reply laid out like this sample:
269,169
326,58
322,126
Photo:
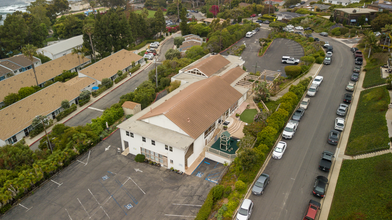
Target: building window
166,147
131,134
153,142
171,149
127,133
143,139
171,161
209,130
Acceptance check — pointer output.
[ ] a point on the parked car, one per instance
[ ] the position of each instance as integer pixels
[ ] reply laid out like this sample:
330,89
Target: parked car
312,90
289,60
324,34
342,109
149,56
339,124
154,45
326,44
257,29
290,26
350,86
279,150
358,53
298,114
311,211
358,61
347,98
357,69
249,34
266,22
290,129
326,161
316,39
353,49
304,103
245,210
327,60
333,137
298,4
320,186
329,49
253,15
377,34
308,28
329,54
309,35
303,2
260,184
354,77
259,21
318,80
292,6
299,28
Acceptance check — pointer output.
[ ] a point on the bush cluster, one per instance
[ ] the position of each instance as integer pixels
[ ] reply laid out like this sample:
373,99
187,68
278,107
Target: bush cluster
119,78
293,71
66,112
135,68
140,158
215,194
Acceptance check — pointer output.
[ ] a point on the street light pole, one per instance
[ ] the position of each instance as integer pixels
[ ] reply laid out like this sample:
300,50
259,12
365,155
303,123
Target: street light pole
156,71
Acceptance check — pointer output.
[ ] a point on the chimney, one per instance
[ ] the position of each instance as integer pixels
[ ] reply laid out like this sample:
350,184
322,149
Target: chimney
188,120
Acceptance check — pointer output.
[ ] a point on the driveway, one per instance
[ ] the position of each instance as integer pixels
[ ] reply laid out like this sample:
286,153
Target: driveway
108,185
293,176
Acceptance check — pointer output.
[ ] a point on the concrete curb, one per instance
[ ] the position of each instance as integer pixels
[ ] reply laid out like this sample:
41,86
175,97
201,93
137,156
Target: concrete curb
266,49
103,95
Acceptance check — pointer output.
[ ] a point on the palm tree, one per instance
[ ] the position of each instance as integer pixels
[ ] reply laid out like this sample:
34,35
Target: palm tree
76,51
92,5
29,51
88,28
371,40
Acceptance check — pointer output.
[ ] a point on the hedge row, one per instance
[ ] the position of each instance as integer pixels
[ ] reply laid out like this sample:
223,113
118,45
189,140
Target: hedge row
119,78
135,68
66,112
214,195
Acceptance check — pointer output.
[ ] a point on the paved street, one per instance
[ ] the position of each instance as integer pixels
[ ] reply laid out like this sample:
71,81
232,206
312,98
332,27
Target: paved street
293,176
108,185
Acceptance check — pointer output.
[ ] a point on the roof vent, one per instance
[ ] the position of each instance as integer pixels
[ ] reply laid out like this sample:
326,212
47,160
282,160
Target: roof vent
188,120
354,11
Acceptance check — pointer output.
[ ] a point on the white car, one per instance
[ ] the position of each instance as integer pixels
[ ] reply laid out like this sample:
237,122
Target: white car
339,124
312,90
290,129
279,150
149,56
154,45
249,34
245,210
289,26
304,103
156,42
326,44
318,80
329,54
299,28
254,32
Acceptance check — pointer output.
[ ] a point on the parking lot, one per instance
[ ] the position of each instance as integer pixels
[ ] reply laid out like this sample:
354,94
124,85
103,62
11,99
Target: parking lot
103,184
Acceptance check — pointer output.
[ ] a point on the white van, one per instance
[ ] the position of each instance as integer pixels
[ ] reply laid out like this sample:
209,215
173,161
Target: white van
249,34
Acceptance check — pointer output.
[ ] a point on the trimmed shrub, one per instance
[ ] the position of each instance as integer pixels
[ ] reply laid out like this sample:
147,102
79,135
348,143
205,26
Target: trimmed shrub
66,112
205,209
140,158
292,71
319,60
119,78
217,192
267,136
239,185
135,68
227,191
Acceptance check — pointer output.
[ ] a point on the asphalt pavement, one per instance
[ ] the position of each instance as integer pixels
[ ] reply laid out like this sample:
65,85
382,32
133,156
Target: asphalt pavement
292,177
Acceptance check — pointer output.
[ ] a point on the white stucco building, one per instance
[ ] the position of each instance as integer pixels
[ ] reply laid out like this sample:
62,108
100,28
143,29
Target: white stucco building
62,48
175,130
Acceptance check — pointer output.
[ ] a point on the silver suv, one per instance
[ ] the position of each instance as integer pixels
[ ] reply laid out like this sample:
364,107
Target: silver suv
289,60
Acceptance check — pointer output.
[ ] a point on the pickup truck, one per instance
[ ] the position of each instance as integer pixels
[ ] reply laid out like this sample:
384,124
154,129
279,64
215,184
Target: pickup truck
290,129
312,210
326,161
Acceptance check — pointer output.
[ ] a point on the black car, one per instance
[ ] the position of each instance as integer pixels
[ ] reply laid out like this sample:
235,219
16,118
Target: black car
320,186
329,48
308,35
316,39
303,2
357,69
358,61
266,22
292,6
353,49
333,137
257,29
355,77
308,28
347,98
298,114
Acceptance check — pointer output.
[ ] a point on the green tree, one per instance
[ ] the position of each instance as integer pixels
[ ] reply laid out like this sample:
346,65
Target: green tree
88,28
277,25
13,33
370,40
262,91
178,3
36,32
11,98
107,82
61,6
178,41
25,91
112,3
65,104
196,52
380,21
85,95
40,13
362,20
247,158
68,26
247,141
172,53
308,60
183,25
159,20
93,4
29,51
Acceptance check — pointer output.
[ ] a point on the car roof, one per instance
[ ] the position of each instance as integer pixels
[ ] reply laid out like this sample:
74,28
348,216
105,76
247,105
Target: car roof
262,178
319,77
306,99
246,203
322,178
339,119
280,143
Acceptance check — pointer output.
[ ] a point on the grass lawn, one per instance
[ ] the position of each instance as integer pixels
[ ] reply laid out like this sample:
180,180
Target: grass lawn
369,131
272,105
373,77
364,189
150,13
248,115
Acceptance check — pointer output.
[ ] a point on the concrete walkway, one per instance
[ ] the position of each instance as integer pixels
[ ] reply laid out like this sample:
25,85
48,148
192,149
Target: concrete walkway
314,71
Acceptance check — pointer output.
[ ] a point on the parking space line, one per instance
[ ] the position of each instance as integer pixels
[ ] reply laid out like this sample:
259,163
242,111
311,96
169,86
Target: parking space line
68,214
198,166
126,190
83,207
187,205
183,216
112,197
137,186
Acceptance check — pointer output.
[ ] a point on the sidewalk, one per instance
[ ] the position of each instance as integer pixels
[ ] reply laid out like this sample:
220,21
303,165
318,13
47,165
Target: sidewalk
314,71
31,141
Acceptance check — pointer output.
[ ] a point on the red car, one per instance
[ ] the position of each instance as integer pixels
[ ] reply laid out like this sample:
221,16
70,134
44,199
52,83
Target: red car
252,16
312,210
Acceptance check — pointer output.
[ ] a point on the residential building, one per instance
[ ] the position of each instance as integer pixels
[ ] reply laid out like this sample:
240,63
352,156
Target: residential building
320,7
45,72
341,2
17,64
16,119
131,108
108,67
190,41
275,2
175,130
351,15
62,48
82,83
381,6
193,37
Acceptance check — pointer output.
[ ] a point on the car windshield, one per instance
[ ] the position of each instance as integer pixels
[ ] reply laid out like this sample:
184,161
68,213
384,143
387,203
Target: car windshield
278,149
317,80
340,124
304,102
243,211
312,90
319,189
288,129
259,184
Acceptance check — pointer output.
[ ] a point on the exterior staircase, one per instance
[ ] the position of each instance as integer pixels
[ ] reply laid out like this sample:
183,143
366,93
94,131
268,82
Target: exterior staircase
235,126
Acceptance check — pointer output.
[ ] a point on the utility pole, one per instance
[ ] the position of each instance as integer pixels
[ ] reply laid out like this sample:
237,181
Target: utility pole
43,124
156,71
